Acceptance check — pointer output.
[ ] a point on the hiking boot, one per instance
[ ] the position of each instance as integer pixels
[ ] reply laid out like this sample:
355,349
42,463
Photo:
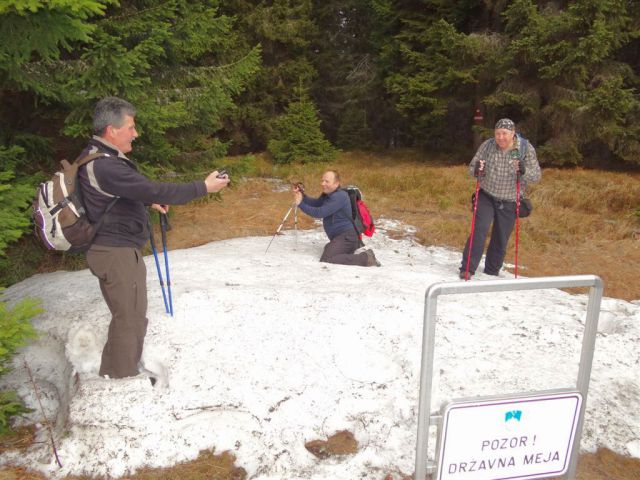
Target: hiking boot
462,274
372,261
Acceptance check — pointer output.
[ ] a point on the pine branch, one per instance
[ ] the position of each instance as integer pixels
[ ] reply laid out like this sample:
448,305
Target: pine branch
131,14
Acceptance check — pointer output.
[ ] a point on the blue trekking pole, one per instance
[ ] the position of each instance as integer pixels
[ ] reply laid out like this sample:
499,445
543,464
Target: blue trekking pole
164,226
155,255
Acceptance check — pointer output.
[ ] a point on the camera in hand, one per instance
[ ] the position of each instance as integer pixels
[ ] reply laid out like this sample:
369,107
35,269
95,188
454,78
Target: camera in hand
222,173
299,186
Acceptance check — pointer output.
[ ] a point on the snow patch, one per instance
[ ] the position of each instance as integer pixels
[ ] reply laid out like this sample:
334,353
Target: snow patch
266,352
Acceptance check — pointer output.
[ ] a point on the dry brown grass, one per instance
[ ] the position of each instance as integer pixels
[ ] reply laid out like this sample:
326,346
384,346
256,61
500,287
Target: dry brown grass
602,465
583,222
208,466
18,439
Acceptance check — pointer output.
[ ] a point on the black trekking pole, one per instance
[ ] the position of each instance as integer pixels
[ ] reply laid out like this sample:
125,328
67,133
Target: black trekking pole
517,221
295,224
155,256
164,227
282,223
519,172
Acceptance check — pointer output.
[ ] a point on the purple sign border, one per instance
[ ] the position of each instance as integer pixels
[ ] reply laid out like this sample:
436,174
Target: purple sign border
577,396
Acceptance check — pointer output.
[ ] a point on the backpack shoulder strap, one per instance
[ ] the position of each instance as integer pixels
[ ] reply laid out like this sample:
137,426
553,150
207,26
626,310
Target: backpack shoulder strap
73,166
88,158
487,147
353,207
524,144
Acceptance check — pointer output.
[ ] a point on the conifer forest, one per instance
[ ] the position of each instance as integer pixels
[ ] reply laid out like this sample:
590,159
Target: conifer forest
302,78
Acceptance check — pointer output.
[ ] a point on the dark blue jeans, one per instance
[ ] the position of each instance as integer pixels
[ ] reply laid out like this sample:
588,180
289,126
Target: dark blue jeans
500,213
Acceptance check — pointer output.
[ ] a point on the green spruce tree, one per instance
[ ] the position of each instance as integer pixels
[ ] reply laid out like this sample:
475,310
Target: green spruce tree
284,29
179,62
564,74
297,136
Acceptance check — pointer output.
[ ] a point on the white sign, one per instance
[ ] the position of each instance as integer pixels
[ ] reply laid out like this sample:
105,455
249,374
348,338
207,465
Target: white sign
508,438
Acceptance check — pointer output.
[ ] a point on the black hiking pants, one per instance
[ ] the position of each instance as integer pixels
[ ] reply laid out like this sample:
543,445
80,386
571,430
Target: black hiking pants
502,214
122,276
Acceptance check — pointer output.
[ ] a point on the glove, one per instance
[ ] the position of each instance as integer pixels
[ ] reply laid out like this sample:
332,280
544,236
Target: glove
477,171
515,155
521,167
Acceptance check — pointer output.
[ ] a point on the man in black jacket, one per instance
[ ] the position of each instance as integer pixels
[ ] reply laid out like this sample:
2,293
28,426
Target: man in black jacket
115,256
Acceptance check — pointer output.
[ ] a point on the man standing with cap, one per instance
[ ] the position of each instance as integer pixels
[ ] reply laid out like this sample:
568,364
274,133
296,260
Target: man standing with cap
497,166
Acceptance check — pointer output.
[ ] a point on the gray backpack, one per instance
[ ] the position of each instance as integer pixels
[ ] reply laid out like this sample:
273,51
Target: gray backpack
59,215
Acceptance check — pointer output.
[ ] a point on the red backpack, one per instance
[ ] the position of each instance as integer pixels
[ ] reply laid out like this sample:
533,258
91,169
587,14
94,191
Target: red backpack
360,214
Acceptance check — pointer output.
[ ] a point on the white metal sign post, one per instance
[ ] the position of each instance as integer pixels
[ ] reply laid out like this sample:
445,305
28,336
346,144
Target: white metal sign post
471,430
524,438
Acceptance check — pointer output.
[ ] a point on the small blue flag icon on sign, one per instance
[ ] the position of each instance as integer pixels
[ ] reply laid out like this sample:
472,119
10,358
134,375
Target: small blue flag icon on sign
513,415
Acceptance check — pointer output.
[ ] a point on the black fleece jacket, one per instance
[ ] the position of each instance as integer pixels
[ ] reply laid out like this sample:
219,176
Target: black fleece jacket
114,175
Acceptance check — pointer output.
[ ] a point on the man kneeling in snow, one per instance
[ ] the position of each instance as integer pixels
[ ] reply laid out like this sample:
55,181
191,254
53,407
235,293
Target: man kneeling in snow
334,207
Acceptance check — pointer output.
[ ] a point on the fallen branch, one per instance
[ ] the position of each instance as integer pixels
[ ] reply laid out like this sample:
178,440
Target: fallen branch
46,420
